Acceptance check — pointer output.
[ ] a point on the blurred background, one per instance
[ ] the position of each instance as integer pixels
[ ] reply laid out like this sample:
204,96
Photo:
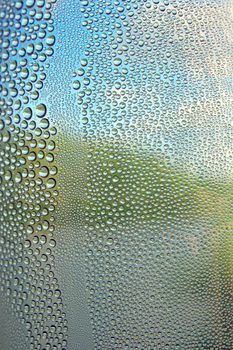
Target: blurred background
116,174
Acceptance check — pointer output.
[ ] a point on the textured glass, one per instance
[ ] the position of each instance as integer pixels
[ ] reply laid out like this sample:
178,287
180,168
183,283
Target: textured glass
116,181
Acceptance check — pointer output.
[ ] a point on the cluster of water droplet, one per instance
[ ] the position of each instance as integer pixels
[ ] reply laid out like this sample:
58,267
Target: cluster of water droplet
28,172
153,89
155,73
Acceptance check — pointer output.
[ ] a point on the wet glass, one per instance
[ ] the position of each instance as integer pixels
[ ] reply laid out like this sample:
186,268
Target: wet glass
116,166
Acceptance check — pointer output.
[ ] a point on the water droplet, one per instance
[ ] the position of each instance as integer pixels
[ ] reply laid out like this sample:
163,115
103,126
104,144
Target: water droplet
40,110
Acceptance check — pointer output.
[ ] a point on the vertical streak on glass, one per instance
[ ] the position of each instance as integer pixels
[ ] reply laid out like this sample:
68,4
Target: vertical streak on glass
28,175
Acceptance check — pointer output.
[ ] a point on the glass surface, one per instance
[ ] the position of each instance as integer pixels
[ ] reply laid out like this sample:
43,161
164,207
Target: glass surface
116,166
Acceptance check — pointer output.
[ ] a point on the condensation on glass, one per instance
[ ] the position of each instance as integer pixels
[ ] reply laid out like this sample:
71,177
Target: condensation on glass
116,160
